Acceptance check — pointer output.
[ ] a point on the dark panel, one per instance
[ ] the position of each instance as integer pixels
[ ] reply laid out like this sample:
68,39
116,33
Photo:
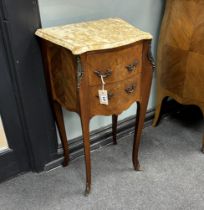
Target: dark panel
21,19
14,160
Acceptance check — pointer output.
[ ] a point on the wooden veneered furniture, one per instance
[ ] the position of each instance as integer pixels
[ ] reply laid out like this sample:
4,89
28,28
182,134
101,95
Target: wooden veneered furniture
77,55
180,56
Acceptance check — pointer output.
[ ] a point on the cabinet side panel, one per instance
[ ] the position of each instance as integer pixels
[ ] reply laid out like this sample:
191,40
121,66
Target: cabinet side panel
62,67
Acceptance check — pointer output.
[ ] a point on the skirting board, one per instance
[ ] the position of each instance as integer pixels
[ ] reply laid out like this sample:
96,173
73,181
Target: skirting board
103,136
99,138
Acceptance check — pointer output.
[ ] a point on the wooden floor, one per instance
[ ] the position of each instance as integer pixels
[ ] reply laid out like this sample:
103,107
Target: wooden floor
3,140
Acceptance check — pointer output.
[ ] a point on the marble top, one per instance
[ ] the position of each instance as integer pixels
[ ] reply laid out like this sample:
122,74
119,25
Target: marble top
93,35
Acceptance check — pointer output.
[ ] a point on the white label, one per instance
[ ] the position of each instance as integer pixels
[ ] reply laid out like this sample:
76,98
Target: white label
103,97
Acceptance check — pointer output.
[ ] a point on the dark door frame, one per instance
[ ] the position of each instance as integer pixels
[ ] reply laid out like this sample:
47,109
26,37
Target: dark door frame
14,159
19,20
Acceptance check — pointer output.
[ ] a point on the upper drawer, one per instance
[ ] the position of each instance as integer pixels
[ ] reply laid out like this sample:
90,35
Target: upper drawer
115,65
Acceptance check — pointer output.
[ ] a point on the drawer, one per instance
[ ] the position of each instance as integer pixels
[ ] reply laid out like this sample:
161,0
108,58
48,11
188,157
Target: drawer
115,65
121,95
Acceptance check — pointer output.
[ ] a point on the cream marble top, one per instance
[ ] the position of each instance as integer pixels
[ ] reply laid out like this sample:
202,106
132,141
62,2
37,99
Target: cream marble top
93,35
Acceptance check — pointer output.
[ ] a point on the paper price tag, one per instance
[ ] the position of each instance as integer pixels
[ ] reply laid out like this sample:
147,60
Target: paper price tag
103,97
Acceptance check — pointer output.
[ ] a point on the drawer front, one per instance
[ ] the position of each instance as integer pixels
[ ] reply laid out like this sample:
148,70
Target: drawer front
121,95
114,65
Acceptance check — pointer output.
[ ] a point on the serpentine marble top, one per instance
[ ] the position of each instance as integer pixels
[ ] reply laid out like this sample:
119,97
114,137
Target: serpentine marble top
93,35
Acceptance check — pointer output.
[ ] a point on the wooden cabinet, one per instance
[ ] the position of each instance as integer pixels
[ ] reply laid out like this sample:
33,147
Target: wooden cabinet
180,57
75,78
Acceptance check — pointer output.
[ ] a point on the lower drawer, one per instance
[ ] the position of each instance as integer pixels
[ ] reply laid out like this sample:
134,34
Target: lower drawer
121,95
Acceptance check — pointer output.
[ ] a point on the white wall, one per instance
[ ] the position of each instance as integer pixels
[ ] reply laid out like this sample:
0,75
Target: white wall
144,14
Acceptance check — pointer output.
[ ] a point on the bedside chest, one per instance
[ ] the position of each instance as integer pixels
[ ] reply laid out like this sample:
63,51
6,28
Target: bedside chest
97,68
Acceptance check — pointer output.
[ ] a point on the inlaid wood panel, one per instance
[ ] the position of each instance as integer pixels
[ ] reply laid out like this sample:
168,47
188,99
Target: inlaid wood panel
180,27
172,76
63,75
121,95
194,80
119,63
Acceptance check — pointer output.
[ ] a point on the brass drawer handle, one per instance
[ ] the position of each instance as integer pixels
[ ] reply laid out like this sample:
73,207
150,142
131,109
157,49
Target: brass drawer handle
130,89
110,95
132,67
104,74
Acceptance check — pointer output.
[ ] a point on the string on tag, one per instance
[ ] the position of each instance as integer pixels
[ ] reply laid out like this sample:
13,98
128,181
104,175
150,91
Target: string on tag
103,94
103,83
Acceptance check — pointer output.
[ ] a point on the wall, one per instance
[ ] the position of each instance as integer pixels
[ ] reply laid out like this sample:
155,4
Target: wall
145,14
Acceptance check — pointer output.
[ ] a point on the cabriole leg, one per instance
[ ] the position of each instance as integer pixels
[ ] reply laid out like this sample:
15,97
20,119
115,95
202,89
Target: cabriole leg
86,141
141,111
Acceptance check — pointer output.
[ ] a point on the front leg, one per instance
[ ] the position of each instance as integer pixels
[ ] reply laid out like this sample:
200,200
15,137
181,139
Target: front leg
141,111
86,141
146,80
84,106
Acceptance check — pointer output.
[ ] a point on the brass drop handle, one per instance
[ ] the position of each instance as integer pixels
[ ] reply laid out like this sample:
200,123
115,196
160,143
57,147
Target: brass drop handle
110,95
132,67
104,74
130,89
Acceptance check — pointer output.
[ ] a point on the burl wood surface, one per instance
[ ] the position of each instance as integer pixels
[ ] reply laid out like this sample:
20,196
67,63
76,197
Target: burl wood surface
127,72
180,56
